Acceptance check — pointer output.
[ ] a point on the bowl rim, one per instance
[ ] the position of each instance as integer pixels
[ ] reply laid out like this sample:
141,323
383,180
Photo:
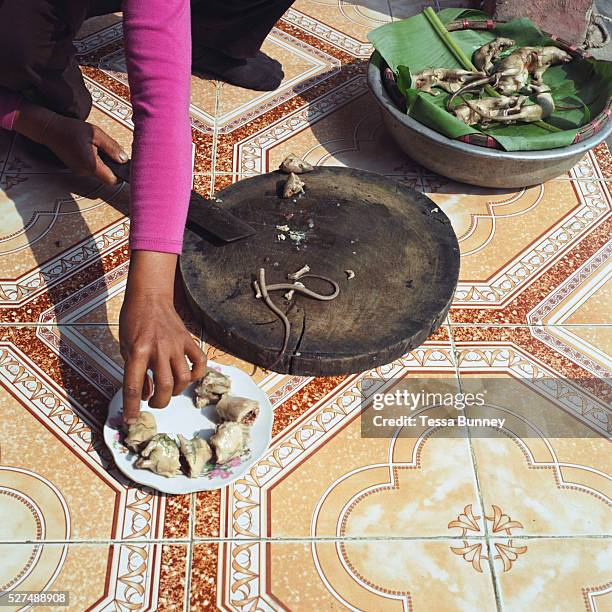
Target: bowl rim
375,83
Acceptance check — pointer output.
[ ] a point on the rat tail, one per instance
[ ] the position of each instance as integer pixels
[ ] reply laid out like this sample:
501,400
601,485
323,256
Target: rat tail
469,87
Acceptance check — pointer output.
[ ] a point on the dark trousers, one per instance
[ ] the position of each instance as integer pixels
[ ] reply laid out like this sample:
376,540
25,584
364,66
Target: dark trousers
37,55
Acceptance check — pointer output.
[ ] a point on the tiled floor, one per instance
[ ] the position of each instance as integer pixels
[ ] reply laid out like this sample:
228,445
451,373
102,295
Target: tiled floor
327,520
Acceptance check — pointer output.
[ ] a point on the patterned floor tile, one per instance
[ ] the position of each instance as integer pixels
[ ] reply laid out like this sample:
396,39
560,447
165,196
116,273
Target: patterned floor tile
93,295
535,485
506,521
133,576
54,224
604,161
549,486
561,251
203,184
556,574
504,272
221,181
582,297
354,20
56,393
101,27
303,65
587,346
548,468
352,135
321,478
354,575
571,359
380,488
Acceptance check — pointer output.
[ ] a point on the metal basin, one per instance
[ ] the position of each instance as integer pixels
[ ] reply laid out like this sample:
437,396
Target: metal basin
470,163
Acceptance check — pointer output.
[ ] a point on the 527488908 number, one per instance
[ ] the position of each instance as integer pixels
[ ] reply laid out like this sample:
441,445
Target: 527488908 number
35,598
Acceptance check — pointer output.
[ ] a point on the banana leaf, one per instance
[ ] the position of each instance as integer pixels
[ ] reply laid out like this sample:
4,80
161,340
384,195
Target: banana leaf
580,88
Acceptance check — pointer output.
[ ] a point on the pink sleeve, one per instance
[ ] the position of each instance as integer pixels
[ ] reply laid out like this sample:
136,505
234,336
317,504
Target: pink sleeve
158,57
9,105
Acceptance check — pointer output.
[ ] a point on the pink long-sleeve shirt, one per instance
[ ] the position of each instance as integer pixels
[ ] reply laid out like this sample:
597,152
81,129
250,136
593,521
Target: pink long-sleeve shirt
158,55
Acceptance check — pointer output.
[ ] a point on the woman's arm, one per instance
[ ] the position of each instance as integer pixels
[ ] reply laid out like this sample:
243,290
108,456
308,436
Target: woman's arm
152,335
158,56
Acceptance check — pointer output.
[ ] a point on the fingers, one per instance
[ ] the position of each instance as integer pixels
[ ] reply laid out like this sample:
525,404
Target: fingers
181,374
164,384
133,380
103,173
171,375
109,145
113,149
147,388
197,358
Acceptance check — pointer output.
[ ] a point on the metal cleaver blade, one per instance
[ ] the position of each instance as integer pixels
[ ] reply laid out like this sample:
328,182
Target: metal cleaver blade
204,217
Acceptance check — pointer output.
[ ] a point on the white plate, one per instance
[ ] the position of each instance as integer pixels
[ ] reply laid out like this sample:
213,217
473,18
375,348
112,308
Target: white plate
181,416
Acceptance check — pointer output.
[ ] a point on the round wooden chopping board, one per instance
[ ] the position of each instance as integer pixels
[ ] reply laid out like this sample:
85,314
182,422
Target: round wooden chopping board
399,244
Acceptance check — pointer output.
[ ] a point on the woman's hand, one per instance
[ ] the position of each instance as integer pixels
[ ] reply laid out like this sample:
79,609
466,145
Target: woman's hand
74,142
153,337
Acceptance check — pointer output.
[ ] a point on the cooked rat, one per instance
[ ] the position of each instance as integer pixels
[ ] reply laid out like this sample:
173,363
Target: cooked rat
197,453
512,73
160,455
450,80
520,112
229,441
295,164
141,431
211,387
238,409
487,54
472,112
293,186
546,57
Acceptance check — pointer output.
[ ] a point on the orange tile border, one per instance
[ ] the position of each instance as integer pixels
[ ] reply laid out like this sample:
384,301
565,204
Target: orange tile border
128,576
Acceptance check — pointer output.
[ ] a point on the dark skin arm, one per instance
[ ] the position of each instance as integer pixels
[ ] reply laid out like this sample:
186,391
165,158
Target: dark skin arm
75,142
152,336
